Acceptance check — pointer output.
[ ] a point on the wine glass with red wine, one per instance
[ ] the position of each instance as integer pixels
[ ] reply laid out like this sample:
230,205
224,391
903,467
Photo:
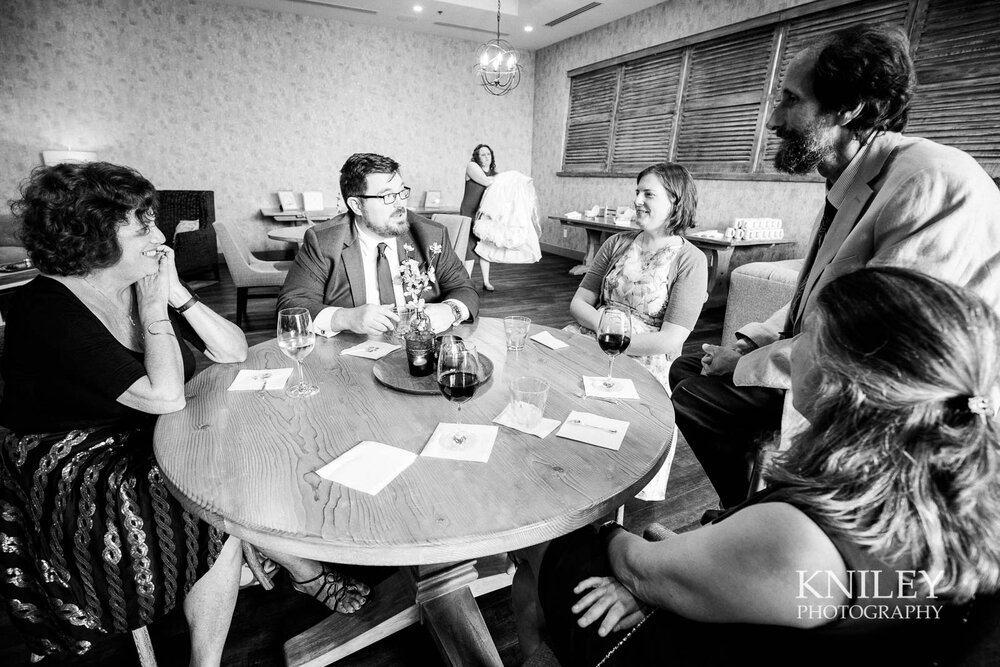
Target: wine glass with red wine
458,375
614,333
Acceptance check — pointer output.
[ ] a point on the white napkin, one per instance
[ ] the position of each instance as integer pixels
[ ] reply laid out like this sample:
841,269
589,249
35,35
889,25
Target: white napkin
594,430
573,215
477,447
370,349
368,466
544,427
624,388
271,379
548,340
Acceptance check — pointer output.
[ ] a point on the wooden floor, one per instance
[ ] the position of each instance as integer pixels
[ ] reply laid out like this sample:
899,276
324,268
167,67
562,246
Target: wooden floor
264,620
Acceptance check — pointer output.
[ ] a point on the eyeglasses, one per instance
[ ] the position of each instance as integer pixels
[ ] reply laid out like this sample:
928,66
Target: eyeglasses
389,198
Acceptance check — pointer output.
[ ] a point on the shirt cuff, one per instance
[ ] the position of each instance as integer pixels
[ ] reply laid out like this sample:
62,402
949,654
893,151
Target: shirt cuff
322,324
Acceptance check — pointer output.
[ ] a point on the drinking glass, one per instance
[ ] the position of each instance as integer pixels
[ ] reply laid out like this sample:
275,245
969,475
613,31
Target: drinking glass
614,333
458,375
296,339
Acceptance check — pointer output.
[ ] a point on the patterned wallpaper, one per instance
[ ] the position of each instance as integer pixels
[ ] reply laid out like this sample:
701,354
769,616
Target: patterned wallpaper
720,202
245,102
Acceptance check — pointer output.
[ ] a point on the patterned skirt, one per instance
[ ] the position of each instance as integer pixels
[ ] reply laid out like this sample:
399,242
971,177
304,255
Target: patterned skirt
91,541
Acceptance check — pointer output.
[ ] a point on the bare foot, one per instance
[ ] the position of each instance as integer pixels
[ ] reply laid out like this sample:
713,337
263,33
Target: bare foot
335,590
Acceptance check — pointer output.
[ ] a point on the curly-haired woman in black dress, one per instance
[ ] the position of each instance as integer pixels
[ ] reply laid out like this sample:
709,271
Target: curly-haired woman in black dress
91,541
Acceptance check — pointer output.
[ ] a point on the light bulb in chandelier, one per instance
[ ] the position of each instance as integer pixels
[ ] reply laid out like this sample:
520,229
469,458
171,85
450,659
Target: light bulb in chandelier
498,69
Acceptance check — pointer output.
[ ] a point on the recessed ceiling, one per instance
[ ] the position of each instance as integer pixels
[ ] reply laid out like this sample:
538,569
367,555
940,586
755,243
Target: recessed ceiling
552,20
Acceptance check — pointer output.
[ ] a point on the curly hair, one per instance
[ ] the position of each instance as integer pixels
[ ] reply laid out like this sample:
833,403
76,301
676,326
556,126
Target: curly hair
354,173
70,214
896,459
870,64
680,185
492,171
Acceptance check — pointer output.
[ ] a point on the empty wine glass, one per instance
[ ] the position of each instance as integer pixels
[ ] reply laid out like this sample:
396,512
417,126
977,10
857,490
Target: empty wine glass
458,374
614,333
296,339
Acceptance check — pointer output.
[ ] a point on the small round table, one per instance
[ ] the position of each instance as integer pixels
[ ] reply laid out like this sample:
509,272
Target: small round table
247,463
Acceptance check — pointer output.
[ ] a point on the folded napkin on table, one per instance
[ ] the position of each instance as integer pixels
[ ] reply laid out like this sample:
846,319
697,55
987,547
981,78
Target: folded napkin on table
548,340
368,466
370,349
477,447
593,430
506,418
573,215
623,388
271,379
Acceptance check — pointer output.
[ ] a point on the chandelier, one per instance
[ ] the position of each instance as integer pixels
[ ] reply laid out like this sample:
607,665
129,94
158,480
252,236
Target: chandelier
497,66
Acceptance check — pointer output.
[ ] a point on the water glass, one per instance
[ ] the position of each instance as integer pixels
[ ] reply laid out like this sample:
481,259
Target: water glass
419,352
527,401
515,328
402,326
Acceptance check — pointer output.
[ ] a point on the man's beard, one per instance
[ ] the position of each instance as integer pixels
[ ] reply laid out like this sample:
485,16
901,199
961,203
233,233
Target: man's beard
390,228
801,152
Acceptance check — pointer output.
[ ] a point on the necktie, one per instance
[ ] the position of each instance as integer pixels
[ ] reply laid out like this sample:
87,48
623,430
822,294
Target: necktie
385,293
792,322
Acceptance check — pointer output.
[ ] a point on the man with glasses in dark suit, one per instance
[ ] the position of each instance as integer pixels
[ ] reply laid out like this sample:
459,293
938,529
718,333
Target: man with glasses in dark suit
347,270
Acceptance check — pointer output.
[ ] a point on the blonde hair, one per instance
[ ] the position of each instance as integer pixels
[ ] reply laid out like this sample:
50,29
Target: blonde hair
895,458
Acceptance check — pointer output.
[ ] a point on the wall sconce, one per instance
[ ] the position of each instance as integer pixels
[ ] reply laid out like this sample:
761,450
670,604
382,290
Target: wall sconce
50,158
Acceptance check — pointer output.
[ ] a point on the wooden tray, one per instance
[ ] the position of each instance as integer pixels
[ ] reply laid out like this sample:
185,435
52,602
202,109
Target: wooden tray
392,371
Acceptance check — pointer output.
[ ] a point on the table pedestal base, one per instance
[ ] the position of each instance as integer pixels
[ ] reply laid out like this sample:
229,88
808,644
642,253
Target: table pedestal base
440,596
594,240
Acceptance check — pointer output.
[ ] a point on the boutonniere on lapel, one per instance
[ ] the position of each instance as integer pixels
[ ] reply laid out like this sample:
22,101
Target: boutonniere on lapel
417,279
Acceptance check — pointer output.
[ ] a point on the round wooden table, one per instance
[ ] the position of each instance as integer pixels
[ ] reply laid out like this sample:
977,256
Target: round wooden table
247,463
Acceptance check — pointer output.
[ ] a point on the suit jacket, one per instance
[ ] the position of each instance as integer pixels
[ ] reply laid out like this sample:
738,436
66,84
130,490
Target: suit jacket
328,271
913,203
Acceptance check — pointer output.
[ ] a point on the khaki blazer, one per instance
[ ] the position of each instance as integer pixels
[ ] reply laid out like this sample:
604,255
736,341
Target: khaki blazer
914,203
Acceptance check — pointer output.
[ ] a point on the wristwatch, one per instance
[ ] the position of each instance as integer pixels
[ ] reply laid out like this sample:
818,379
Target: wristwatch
456,311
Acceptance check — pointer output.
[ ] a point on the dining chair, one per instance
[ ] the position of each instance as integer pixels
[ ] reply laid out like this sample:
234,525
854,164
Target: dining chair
458,230
248,271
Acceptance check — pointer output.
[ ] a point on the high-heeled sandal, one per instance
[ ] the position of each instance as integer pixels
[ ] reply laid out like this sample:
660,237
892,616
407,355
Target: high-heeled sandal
333,585
489,288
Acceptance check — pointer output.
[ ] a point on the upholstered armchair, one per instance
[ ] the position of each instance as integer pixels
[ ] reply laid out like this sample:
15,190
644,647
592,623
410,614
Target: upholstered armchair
195,251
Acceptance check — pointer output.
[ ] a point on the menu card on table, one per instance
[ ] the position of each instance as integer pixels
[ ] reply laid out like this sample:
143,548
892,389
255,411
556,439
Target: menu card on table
368,466
268,379
370,349
594,430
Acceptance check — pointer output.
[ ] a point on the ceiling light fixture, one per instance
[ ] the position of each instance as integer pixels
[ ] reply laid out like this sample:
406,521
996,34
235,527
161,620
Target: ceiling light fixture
497,64
418,8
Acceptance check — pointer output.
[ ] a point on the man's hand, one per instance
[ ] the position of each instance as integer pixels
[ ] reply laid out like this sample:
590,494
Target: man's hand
368,319
607,599
720,360
441,315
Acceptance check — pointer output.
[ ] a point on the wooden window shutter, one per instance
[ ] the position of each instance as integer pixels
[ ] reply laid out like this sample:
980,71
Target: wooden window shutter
722,101
810,30
957,100
588,128
645,115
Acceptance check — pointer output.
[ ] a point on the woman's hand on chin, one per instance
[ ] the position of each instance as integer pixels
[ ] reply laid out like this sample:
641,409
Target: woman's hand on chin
152,291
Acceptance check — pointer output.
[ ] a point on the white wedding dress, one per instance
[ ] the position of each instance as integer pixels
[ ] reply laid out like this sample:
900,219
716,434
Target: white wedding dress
507,222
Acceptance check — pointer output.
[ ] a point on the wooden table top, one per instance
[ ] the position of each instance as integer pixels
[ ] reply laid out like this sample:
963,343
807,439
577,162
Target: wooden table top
247,462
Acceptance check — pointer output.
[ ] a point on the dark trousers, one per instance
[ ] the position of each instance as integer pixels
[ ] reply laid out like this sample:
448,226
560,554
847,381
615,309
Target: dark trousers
722,423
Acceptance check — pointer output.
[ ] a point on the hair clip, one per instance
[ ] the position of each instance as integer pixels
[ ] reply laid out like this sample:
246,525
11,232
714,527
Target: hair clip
982,405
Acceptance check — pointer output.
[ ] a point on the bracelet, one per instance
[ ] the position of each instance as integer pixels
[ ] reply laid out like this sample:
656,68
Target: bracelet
187,304
150,331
